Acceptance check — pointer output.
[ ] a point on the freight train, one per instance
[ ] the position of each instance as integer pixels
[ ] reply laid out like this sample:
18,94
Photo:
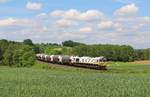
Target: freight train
85,61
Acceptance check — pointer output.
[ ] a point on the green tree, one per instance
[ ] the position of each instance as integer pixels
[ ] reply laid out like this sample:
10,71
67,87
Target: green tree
28,59
71,43
3,47
1,56
28,42
17,57
111,52
8,59
14,54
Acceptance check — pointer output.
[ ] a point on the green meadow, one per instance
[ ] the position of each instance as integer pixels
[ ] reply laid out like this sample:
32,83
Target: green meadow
44,80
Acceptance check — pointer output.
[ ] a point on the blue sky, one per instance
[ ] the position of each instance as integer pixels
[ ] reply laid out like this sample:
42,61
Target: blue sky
17,8
89,21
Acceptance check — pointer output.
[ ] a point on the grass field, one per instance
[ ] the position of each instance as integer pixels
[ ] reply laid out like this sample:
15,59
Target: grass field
121,80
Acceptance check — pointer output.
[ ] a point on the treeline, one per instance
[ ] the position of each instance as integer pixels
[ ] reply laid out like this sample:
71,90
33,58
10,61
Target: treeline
111,52
123,53
18,54
142,54
22,54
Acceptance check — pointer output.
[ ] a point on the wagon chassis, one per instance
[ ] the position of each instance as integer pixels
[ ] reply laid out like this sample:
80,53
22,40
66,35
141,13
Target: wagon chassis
82,65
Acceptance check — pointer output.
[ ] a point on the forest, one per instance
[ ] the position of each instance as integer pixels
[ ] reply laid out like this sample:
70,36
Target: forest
22,54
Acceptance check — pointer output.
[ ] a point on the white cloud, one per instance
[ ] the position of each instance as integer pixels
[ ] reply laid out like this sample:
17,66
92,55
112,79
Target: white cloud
7,22
65,23
91,15
106,25
145,20
86,29
57,13
128,10
110,25
16,22
71,14
3,1
90,26
42,15
33,6
77,15
71,35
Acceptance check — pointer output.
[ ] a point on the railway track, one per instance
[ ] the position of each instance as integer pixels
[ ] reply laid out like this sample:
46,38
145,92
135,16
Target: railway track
88,66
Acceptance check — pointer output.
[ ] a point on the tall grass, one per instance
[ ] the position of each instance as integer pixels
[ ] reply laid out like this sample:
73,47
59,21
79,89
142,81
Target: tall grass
74,82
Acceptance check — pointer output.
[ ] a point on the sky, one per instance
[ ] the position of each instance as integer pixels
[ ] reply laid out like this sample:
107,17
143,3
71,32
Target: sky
124,22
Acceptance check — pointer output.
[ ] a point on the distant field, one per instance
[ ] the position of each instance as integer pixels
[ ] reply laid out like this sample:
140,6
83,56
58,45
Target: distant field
121,80
142,62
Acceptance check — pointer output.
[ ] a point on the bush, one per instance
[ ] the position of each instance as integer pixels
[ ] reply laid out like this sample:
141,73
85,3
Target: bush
17,54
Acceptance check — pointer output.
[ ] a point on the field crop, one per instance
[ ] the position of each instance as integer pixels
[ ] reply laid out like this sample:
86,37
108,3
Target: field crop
121,80
141,62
